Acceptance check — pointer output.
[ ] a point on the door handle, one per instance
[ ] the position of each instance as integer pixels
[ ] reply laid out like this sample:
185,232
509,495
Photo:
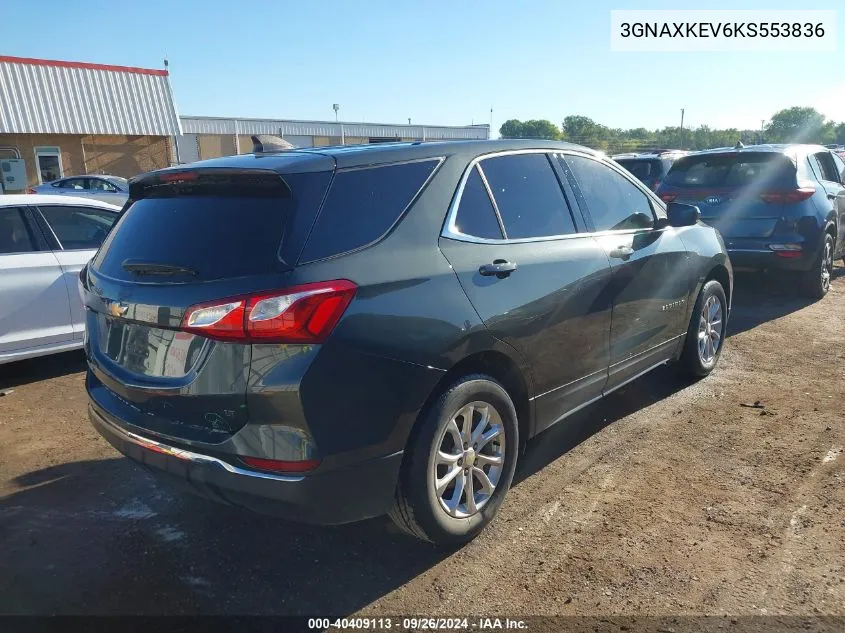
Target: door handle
621,252
501,268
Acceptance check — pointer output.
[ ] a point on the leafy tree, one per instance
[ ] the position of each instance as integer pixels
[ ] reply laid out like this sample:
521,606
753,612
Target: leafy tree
799,125
514,128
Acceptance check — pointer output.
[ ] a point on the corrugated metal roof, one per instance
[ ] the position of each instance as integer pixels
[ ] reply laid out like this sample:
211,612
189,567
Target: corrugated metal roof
221,125
51,97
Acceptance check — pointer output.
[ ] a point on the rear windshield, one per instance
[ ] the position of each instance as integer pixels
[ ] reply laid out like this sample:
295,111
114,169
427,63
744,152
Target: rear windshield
732,170
220,225
642,169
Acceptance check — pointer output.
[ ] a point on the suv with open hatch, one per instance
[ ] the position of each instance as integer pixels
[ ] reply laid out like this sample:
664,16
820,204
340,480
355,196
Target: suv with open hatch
337,333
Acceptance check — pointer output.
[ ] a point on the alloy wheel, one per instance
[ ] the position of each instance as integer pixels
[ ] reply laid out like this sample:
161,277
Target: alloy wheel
469,461
710,329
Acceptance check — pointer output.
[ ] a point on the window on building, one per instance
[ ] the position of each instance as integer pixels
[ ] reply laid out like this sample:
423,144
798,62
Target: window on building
48,163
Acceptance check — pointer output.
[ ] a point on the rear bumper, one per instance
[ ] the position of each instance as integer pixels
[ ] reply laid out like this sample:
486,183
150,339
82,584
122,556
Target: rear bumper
342,495
744,259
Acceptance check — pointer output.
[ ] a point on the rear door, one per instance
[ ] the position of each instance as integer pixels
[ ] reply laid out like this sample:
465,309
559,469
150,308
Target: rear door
517,245
34,310
76,232
651,275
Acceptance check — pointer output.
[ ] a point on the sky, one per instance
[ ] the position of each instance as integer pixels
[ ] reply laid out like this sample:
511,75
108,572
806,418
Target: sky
435,62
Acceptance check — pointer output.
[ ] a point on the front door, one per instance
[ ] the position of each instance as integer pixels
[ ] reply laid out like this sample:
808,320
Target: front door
651,274
533,279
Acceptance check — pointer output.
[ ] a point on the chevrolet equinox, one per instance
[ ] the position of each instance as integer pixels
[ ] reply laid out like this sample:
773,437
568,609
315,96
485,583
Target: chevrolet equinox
332,334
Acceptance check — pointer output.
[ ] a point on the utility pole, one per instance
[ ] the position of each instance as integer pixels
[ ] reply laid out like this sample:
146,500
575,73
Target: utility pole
762,129
682,129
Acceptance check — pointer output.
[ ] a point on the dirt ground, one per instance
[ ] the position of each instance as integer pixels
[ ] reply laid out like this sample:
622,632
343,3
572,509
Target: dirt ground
669,498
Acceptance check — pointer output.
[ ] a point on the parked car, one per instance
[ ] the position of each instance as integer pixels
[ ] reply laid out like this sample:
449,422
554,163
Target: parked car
44,243
111,189
778,207
649,167
379,329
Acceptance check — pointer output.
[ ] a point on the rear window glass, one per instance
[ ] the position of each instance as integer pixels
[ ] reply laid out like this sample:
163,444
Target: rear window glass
642,169
362,205
220,225
731,170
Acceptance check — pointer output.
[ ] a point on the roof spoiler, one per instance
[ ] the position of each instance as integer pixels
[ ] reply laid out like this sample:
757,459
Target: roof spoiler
262,143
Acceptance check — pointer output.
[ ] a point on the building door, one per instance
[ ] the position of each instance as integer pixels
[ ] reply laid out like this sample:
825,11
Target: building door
48,164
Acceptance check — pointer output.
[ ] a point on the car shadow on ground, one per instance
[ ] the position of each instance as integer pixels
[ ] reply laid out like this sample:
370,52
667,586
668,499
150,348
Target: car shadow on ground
23,372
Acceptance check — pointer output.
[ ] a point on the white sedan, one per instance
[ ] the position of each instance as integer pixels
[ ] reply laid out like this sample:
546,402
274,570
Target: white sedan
45,240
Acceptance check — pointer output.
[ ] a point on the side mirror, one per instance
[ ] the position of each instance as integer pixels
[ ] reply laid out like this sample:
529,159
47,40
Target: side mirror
680,214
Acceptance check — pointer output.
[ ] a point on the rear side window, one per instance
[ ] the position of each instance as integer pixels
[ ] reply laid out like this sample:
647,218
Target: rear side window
221,224
78,227
476,215
731,170
363,205
14,233
827,167
528,196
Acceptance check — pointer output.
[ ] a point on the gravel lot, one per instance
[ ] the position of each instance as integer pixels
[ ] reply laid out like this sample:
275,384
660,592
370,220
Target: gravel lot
668,498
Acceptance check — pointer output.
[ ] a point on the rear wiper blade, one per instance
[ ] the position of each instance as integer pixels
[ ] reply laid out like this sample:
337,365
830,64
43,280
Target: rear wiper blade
152,268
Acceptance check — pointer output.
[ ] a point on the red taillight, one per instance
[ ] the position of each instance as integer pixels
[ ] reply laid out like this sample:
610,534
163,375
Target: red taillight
668,197
31,190
301,314
789,196
278,466
788,254
180,176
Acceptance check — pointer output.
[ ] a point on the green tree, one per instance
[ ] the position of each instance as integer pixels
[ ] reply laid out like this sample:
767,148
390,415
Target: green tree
799,125
512,128
839,134
540,128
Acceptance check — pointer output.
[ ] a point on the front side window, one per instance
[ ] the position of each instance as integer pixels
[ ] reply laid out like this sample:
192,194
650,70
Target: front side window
476,215
79,184
528,196
614,202
78,227
15,236
101,185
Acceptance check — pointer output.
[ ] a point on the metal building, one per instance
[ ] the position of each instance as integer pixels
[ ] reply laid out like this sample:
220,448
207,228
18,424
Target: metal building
210,137
64,118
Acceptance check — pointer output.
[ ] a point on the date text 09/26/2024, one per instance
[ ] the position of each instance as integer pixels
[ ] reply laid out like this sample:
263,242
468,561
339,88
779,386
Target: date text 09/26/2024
417,624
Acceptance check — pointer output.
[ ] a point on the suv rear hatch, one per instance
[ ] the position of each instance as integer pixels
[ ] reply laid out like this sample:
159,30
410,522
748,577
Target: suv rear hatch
189,253
742,194
649,171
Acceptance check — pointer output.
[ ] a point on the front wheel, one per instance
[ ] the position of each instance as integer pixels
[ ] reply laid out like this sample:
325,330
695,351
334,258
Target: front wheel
706,332
460,464
817,279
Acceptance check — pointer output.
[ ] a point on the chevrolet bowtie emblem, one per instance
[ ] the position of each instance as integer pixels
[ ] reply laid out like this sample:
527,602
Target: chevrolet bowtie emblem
117,309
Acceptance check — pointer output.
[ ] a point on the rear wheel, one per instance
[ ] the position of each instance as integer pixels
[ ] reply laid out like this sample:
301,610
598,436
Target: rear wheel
460,464
706,332
816,282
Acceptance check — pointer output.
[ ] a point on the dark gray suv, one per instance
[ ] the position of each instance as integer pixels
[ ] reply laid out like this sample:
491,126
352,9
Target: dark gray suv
339,333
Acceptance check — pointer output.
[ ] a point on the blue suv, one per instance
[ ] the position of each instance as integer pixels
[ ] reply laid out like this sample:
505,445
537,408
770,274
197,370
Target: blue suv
778,207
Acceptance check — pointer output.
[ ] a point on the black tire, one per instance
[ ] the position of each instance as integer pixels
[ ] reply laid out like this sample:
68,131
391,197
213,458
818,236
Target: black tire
816,281
417,508
692,362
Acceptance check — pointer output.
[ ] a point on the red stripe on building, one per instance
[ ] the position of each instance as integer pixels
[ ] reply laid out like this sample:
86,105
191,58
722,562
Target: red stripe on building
61,64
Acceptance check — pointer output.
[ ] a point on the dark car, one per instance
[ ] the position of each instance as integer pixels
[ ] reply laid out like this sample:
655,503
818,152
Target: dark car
778,207
650,167
338,333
